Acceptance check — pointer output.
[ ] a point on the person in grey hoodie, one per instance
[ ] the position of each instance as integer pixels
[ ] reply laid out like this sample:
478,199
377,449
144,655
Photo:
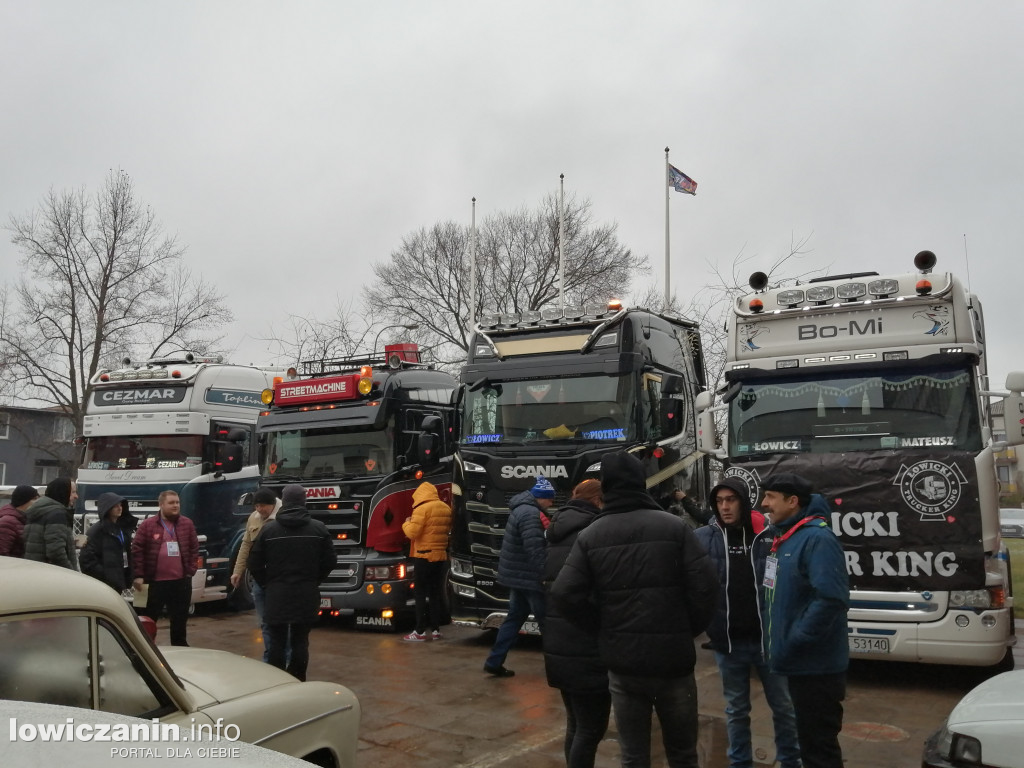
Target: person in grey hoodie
48,534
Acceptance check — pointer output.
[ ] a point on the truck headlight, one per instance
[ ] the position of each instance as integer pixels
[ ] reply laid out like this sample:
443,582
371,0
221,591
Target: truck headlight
965,749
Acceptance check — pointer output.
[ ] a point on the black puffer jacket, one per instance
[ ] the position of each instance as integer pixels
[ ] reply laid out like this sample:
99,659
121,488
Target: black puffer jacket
291,556
521,564
571,657
654,586
107,552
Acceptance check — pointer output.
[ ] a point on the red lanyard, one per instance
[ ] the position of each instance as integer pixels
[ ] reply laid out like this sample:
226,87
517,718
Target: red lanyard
778,540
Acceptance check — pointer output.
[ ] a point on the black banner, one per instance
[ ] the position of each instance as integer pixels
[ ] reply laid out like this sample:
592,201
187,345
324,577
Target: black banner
907,521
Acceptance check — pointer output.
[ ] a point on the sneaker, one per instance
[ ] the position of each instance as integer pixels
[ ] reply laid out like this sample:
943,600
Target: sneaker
415,637
499,671
436,635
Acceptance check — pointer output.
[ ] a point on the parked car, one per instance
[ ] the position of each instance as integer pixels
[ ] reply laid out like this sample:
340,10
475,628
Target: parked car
1011,523
984,728
69,639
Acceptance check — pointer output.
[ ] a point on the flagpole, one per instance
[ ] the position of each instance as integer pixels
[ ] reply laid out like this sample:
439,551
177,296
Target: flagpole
561,240
667,185
472,272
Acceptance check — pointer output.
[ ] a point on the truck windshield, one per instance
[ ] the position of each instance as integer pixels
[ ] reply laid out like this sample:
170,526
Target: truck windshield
925,409
584,408
143,452
328,452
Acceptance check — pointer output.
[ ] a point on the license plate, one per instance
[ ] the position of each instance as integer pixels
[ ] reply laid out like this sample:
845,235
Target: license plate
325,602
530,628
869,644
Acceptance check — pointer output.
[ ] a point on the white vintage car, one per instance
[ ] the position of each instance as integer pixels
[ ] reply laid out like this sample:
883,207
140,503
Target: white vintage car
69,639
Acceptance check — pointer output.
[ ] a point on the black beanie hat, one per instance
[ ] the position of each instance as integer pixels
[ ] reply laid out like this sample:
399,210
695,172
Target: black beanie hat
622,471
23,494
264,496
60,490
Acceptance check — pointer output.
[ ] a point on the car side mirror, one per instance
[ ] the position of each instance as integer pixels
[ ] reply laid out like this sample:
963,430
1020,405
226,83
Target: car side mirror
426,449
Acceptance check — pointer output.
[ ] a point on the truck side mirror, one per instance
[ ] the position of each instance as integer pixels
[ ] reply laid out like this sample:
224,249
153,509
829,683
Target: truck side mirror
1013,409
426,449
671,416
707,435
671,384
229,458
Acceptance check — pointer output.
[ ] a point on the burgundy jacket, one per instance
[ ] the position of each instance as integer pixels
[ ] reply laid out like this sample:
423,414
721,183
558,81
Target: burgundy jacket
12,531
148,540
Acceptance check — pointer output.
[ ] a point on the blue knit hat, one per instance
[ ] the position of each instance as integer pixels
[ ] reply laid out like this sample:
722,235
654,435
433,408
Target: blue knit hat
543,489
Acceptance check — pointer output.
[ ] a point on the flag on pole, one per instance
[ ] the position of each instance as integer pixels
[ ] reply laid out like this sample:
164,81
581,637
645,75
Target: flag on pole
680,182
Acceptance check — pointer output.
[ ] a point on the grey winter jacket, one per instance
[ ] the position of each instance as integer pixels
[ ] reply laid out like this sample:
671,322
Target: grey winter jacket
48,534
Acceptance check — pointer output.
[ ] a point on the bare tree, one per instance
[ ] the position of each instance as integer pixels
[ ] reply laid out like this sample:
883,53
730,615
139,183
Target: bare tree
100,281
427,279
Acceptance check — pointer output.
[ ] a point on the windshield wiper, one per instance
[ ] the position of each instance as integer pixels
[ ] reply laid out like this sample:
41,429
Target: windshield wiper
286,478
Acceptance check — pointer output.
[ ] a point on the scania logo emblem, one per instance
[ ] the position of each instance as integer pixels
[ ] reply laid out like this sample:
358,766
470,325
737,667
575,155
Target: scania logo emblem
931,488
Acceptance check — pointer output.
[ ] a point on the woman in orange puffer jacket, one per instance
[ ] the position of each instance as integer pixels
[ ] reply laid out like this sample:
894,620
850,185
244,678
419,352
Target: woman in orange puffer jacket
428,530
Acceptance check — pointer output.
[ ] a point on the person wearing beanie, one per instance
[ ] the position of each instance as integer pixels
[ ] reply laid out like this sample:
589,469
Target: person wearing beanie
428,528
290,557
521,569
807,594
572,660
12,521
265,506
48,534
655,590
165,554
738,542
107,552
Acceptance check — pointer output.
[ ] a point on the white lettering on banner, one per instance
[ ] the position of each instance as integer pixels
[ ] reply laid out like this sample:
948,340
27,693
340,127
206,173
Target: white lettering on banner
913,564
925,442
520,470
865,524
853,563
326,388
778,445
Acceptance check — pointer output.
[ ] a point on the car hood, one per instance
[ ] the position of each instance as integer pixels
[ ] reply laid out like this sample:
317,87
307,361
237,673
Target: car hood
218,676
998,699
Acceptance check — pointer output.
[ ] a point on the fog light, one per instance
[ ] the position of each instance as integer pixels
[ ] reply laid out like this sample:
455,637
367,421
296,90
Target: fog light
370,589
386,589
962,620
988,621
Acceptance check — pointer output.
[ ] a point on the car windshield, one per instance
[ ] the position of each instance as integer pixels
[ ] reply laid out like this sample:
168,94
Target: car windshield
920,409
328,452
143,452
583,408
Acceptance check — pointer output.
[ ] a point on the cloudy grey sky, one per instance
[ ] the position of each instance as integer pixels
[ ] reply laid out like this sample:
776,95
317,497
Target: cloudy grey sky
291,145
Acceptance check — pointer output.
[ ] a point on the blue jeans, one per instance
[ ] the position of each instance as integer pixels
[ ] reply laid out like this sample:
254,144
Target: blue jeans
521,603
735,670
259,599
675,701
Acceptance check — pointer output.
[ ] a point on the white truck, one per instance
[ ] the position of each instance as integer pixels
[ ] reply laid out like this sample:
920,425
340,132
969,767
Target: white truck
875,389
182,423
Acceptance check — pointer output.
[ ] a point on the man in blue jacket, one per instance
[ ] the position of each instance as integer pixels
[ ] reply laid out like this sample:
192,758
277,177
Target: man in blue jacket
521,569
807,593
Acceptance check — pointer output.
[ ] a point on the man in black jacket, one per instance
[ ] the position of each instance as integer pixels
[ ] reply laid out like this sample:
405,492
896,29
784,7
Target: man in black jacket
291,556
655,589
